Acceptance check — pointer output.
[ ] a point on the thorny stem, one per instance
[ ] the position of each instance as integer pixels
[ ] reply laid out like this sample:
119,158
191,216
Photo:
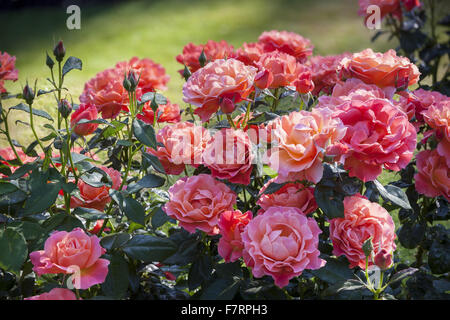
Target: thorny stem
6,132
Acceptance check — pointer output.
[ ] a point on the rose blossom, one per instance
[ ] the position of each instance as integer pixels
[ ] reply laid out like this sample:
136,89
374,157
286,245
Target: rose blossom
287,42
8,69
231,224
290,195
286,71
362,219
106,90
197,202
55,294
281,243
324,72
354,90
437,116
84,112
301,138
393,7
433,177
169,112
72,252
423,99
378,136
229,156
217,80
249,53
184,143
213,51
96,197
151,75
382,69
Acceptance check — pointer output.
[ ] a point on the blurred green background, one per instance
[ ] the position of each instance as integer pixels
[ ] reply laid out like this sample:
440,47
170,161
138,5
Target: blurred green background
159,29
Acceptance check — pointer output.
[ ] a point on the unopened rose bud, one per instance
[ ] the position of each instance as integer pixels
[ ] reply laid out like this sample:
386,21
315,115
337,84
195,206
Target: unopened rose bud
130,81
263,79
383,259
186,73
59,51
28,94
202,59
367,247
227,105
49,62
64,108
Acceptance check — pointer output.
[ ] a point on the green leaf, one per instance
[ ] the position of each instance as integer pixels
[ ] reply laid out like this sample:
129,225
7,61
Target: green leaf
61,222
154,161
410,235
273,187
70,64
149,96
149,248
393,194
6,187
402,274
221,289
144,133
89,214
129,206
331,203
199,272
41,198
30,230
149,181
37,112
334,271
117,280
13,250
114,241
159,217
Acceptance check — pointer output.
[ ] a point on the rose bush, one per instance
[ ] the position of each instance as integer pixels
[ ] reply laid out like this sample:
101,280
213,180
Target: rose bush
269,181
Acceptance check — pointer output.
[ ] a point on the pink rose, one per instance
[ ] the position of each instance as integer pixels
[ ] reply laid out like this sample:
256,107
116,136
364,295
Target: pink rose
382,69
362,219
443,149
151,75
300,141
72,252
423,99
290,195
378,136
169,112
287,42
231,225
106,89
433,177
229,156
84,112
354,90
8,69
324,72
383,259
286,71
437,116
96,197
55,294
218,80
197,202
249,53
184,143
393,7
281,243
213,51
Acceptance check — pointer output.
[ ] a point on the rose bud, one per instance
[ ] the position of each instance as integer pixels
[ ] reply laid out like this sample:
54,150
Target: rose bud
28,94
64,108
59,51
263,79
202,59
383,259
85,111
49,62
130,82
186,73
227,105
